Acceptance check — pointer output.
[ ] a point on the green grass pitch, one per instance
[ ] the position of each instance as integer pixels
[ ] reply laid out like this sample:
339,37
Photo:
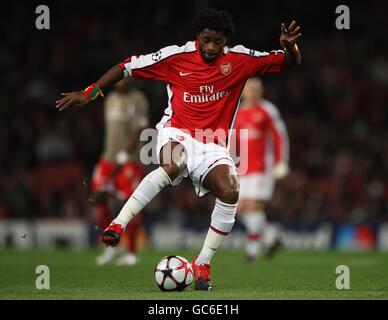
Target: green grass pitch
289,275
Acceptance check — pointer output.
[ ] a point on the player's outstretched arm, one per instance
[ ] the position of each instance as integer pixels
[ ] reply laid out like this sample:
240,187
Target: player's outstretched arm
80,98
288,42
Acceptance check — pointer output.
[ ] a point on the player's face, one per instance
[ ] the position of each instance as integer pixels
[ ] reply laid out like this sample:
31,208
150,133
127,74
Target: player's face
211,44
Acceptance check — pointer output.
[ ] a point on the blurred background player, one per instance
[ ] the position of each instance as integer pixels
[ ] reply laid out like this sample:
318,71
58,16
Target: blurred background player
267,145
119,170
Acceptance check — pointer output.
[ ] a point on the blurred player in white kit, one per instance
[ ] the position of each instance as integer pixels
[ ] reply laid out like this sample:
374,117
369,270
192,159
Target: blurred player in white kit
267,144
119,170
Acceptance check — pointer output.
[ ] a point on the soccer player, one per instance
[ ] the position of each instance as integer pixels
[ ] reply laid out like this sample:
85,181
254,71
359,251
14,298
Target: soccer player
204,81
267,155
119,170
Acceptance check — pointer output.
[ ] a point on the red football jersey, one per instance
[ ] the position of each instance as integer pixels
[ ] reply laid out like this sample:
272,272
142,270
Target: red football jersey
203,95
267,140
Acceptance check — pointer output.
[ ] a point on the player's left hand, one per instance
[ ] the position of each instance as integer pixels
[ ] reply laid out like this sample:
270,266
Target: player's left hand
289,35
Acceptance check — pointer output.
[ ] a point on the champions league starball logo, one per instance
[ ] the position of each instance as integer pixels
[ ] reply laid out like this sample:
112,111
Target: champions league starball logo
156,56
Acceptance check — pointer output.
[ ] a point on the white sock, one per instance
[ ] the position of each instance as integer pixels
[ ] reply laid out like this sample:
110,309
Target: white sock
148,188
254,223
223,218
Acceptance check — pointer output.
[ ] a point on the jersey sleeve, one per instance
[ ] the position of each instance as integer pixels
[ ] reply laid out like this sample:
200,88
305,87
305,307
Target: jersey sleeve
149,66
153,66
262,63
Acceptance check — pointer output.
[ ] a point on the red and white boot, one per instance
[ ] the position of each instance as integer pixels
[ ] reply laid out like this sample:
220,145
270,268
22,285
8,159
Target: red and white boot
201,275
112,234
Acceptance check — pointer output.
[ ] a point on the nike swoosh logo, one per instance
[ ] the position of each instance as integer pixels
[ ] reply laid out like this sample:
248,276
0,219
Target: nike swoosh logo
184,74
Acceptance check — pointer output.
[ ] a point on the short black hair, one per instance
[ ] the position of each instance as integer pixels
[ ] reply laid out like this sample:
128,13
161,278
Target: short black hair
215,20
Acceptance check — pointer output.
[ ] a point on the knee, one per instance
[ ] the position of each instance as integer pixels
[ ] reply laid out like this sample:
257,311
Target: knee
172,170
173,159
229,192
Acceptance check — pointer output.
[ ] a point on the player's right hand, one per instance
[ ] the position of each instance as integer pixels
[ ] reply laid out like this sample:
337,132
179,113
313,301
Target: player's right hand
71,99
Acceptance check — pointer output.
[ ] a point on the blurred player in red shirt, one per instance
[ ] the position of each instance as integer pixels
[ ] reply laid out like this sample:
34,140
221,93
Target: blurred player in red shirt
119,170
266,160
204,80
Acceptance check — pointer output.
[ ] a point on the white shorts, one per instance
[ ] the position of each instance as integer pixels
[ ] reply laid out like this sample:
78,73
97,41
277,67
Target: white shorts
201,157
256,186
